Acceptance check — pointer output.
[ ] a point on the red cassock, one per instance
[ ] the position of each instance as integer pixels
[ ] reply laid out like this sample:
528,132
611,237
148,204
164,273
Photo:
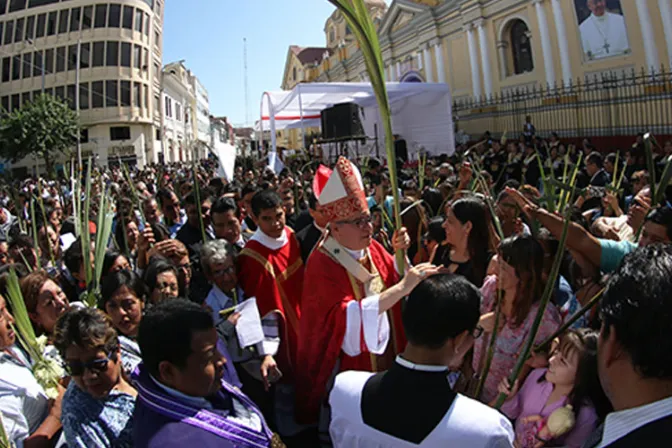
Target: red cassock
275,278
328,289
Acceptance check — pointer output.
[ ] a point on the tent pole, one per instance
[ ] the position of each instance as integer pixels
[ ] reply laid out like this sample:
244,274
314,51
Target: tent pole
303,131
261,125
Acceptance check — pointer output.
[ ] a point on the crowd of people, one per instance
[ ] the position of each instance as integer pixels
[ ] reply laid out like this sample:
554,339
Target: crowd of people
373,336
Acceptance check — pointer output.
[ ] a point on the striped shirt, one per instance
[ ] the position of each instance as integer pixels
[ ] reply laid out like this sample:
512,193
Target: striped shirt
619,424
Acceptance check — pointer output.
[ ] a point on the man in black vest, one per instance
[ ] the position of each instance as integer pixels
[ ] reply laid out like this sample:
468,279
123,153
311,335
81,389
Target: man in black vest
413,404
635,351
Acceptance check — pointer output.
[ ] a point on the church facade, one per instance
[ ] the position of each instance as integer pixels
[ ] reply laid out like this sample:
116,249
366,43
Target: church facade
488,49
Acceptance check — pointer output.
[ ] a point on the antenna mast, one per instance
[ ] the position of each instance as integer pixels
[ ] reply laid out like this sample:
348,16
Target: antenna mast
247,113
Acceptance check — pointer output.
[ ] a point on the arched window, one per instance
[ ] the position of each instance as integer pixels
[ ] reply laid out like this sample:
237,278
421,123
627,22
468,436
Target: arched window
521,48
294,74
348,31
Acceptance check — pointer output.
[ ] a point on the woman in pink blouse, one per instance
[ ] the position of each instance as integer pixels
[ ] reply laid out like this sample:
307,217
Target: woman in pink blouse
519,277
571,378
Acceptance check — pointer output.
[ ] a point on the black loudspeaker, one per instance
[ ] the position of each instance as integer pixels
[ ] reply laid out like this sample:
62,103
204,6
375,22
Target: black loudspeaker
341,122
401,149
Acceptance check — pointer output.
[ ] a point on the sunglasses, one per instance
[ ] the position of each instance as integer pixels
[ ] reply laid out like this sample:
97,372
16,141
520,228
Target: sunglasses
77,368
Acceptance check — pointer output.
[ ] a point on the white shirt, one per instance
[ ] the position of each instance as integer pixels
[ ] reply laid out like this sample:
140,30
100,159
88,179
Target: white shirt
604,36
23,402
467,423
619,424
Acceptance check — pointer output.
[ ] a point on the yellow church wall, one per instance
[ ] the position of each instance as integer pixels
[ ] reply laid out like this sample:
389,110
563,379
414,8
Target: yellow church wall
450,25
460,65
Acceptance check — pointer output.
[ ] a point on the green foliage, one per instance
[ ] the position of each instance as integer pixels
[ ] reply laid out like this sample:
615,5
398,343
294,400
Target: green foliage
44,128
357,17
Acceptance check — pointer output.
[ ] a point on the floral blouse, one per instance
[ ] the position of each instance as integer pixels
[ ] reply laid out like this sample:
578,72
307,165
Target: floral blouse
510,340
89,422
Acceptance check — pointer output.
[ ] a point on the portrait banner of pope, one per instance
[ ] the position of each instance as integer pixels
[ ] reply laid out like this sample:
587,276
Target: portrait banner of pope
602,28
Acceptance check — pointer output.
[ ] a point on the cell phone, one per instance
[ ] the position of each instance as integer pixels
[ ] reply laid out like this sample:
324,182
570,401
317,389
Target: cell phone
274,376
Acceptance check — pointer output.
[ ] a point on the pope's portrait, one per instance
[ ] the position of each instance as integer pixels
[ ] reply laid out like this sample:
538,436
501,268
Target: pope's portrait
602,28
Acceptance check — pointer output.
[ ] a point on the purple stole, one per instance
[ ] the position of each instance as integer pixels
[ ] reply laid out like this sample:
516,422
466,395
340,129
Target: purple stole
156,401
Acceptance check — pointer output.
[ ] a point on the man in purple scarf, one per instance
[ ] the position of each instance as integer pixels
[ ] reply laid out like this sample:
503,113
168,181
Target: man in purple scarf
184,395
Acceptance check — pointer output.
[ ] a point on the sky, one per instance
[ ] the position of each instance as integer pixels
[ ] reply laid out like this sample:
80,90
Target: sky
208,35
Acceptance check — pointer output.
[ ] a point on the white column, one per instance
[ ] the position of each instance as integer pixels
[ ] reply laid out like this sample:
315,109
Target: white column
485,59
666,17
473,59
503,66
440,64
562,42
650,49
389,72
545,42
429,68
398,70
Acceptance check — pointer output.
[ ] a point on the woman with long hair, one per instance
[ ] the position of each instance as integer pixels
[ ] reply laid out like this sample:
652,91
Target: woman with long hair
570,379
519,284
466,250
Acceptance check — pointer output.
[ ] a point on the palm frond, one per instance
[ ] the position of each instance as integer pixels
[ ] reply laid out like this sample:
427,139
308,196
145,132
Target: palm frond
357,16
21,319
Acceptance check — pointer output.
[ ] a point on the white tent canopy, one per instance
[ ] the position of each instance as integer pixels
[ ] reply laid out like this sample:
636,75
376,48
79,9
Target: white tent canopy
421,113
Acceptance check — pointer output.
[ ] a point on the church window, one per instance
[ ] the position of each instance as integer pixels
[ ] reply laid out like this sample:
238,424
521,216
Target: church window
348,31
294,74
521,48
332,35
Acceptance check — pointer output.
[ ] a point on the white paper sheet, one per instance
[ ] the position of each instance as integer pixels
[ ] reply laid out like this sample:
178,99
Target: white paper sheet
248,328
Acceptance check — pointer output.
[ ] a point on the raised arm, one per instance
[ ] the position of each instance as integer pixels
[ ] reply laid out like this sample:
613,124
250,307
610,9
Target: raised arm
578,238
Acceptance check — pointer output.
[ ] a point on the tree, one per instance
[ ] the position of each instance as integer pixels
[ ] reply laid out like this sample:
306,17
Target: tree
45,128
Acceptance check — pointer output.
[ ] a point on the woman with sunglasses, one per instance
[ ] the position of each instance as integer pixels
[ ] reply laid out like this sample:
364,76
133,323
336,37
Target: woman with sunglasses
123,300
98,405
30,419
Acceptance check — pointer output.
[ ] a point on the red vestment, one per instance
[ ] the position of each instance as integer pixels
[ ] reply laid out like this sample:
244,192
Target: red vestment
275,278
323,326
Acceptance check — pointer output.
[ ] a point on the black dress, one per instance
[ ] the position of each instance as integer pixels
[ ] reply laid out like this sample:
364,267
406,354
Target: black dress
474,274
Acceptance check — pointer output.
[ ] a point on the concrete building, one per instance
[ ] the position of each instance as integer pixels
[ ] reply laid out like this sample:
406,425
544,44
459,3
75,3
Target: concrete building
119,61
200,117
178,99
488,51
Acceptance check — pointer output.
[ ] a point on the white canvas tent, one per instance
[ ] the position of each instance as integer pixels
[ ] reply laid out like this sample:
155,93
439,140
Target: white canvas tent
421,113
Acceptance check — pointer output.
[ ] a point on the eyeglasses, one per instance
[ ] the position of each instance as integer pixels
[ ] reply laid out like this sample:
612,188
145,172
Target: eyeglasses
359,222
184,267
225,271
77,368
478,331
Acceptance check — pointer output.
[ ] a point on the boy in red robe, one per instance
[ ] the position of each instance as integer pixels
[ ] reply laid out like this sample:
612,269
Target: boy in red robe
270,268
351,311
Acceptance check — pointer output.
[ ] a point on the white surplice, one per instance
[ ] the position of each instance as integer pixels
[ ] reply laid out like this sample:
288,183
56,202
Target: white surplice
467,423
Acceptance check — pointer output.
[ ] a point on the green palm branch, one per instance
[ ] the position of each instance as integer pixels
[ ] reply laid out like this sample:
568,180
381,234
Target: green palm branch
357,16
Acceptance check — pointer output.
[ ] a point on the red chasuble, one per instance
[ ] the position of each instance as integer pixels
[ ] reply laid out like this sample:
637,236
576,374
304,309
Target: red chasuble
275,278
325,297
